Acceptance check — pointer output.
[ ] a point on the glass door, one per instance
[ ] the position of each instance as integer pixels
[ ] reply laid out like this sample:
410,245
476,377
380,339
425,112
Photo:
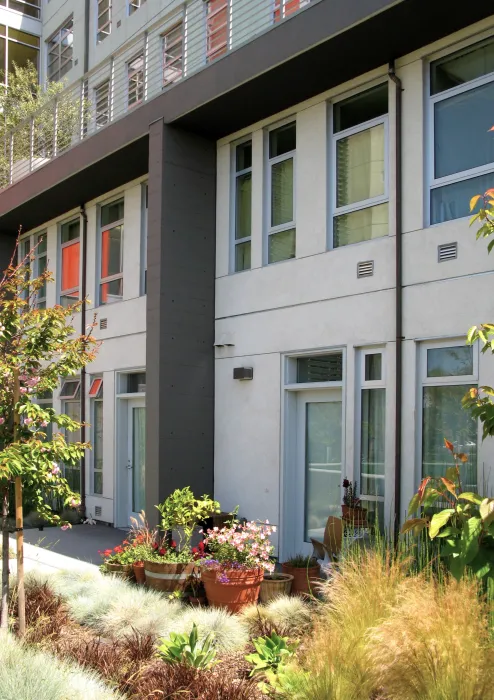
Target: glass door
319,463
136,464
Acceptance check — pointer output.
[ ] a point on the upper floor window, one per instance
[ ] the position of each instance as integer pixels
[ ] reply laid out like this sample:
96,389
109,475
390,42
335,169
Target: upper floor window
360,167
16,47
217,28
104,19
460,116
31,8
242,205
135,73
173,54
60,50
111,238
281,201
284,8
134,5
69,261
40,265
102,104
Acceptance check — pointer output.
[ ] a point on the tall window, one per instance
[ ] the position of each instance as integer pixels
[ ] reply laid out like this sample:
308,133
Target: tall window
60,50
40,262
96,397
242,205
461,98
372,401
16,47
448,371
134,5
135,77
24,251
284,8
173,54
144,238
281,180
360,180
102,104
31,8
217,28
69,261
111,236
71,405
104,19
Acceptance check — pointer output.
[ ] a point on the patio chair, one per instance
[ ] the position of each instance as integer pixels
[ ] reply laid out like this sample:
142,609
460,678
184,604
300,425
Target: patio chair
332,542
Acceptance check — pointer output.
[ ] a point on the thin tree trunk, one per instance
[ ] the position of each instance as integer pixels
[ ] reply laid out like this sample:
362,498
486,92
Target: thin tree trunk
4,611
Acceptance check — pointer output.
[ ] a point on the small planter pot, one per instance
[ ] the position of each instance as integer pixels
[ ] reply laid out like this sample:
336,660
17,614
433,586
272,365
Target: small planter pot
305,579
167,577
121,570
139,573
354,516
242,588
274,585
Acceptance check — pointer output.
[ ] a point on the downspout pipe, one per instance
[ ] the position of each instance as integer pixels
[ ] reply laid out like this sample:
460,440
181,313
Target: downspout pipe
87,9
399,295
83,370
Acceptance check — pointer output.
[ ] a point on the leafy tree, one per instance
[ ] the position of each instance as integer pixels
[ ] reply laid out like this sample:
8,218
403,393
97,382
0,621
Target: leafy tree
37,348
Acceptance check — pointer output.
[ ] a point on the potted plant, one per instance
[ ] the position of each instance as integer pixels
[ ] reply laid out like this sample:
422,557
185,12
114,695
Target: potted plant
117,561
140,538
194,589
352,510
274,585
306,573
239,556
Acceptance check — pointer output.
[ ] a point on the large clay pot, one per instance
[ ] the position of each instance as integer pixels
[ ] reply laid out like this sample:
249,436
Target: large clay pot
354,516
139,573
305,579
242,588
274,585
121,570
167,577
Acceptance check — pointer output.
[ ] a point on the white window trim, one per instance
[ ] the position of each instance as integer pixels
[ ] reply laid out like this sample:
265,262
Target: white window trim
290,370
105,83
108,227
59,50
73,396
269,162
61,245
131,72
101,29
228,46
28,4
233,201
333,180
32,238
182,24
281,4
43,234
133,6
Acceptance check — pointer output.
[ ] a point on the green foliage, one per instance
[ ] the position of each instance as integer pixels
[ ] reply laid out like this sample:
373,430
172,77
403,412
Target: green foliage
301,561
465,528
230,632
182,511
271,654
186,649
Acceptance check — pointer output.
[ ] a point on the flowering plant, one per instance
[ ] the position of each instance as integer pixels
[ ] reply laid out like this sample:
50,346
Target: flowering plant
350,497
121,554
165,551
240,547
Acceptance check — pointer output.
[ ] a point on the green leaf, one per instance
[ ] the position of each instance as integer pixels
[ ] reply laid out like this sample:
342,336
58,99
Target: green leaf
439,520
487,511
448,531
471,497
470,539
412,524
456,565
414,504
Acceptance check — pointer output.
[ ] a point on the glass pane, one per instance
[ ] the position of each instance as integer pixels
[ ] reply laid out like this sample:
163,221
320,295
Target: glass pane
112,212
73,476
138,459
372,446
41,242
361,108
282,192
42,265
452,201
321,368
361,225
70,267
373,367
70,231
281,246
26,38
111,292
360,166
282,140
25,8
244,156
98,447
462,67
69,298
243,205
98,483
73,410
450,362
461,131
322,466
111,251
444,417
242,256
21,55
136,382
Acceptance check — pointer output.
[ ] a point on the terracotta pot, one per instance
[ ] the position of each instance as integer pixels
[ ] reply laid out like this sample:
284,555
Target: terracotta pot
139,573
274,585
121,570
357,516
305,579
167,577
241,590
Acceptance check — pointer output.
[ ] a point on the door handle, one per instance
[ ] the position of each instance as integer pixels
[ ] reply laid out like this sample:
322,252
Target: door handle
129,465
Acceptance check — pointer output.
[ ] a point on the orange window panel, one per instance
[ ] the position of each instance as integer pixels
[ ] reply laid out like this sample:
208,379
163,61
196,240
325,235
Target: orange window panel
70,266
217,28
95,387
290,6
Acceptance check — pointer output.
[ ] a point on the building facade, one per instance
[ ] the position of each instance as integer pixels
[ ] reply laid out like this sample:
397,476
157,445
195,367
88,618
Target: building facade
268,210
20,35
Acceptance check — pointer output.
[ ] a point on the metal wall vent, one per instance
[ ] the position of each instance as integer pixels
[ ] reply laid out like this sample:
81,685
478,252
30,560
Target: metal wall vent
365,269
447,251
103,324
97,511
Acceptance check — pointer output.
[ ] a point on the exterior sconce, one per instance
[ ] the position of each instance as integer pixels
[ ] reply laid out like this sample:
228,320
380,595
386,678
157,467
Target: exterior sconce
243,373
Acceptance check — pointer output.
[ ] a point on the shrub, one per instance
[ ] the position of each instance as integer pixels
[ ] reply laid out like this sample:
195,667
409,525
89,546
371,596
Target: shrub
435,645
284,615
230,633
45,614
186,649
271,655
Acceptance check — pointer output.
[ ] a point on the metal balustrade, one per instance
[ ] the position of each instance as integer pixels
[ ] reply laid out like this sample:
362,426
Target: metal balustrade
140,70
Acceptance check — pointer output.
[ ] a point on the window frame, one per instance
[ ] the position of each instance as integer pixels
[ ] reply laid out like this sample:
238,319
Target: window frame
167,66
335,210
269,162
120,222
58,36
279,6
234,174
133,6
32,240
61,246
464,175
71,397
27,3
40,299
211,54
101,33
98,383
7,38
97,115
144,236
139,87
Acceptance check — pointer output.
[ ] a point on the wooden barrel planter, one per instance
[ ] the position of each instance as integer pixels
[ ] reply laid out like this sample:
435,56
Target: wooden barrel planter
305,579
121,570
241,589
274,585
167,577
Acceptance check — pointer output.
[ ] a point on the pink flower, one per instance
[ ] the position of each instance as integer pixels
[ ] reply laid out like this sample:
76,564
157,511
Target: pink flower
44,423
23,390
28,421
74,503
2,420
67,526
56,469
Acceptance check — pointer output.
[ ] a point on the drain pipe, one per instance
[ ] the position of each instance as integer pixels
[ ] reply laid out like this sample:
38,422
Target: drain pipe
83,370
399,295
87,9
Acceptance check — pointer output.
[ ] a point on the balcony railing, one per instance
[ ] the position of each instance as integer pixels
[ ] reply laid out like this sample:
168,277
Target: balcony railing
166,53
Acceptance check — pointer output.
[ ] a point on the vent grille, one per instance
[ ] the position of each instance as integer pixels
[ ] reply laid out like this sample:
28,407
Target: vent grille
97,511
447,251
103,324
365,269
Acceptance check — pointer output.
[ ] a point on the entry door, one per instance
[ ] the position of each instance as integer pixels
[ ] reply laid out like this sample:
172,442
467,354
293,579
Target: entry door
136,463
319,463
